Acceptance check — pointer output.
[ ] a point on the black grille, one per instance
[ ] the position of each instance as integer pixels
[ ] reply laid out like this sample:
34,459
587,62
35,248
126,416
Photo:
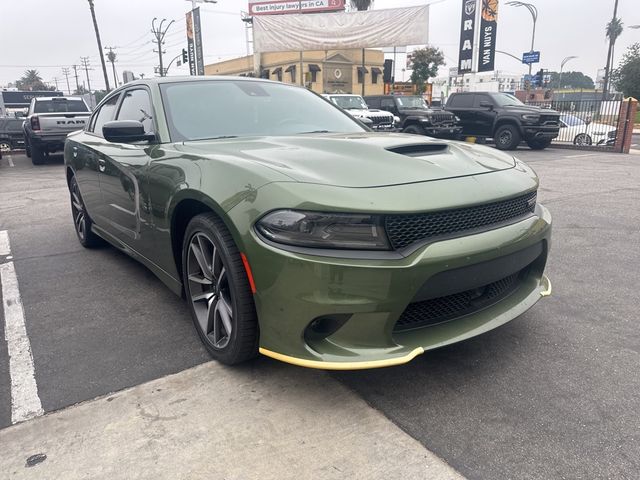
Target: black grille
550,120
403,230
444,117
381,119
442,309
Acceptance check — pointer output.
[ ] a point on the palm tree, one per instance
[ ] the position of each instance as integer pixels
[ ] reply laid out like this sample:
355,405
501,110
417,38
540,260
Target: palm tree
31,80
361,4
613,30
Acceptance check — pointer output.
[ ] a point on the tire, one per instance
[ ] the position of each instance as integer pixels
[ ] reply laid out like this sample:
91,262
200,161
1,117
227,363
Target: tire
414,130
81,221
27,150
507,137
5,146
582,140
219,296
37,155
538,144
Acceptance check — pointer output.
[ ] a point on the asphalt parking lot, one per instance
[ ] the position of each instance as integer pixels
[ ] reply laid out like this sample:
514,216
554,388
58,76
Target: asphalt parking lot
553,394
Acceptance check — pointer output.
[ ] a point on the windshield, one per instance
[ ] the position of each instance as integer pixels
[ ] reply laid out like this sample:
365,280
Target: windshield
354,102
506,100
571,120
59,105
220,108
411,102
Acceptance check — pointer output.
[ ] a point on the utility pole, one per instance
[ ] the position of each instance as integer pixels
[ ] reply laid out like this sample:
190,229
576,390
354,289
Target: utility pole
55,80
65,72
75,74
111,56
95,27
159,33
86,65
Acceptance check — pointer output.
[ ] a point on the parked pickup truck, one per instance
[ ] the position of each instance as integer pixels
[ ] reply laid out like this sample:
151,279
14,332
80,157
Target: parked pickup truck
48,122
504,118
356,107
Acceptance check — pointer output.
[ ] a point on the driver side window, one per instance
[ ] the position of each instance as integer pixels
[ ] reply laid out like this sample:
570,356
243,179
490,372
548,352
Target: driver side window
137,106
105,114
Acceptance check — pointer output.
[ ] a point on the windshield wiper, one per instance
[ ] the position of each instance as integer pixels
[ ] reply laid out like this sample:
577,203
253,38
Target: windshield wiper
315,131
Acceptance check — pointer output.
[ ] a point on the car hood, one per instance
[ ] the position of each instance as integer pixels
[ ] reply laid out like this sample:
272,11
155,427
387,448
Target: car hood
524,109
358,160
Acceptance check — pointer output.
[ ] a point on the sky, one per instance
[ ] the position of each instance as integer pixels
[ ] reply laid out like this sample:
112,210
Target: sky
48,35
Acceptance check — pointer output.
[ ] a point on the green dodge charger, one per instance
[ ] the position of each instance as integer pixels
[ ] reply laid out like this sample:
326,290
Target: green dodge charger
293,230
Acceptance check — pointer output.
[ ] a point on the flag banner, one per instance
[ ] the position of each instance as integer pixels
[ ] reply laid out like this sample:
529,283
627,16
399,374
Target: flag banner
197,30
467,33
328,31
191,48
488,32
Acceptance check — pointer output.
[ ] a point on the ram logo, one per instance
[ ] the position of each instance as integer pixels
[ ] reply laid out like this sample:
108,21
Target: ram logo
70,122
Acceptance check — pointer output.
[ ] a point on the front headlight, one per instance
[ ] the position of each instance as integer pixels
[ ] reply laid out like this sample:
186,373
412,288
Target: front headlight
531,118
396,119
457,119
324,230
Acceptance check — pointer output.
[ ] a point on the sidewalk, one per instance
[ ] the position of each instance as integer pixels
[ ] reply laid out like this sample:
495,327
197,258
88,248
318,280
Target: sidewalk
215,423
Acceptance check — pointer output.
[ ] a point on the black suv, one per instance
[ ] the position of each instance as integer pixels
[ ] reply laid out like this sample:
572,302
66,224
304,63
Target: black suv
416,116
504,118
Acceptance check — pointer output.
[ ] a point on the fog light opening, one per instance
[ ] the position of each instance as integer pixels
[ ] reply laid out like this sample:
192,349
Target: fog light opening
325,326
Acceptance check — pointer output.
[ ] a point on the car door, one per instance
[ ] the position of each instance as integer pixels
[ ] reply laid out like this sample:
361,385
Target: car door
461,105
483,115
82,153
122,174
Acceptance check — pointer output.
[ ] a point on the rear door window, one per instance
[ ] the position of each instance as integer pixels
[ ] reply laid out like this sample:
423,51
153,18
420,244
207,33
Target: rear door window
461,101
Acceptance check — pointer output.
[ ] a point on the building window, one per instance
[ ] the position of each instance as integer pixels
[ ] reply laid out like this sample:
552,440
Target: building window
362,71
278,73
314,69
291,69
375,73
265,73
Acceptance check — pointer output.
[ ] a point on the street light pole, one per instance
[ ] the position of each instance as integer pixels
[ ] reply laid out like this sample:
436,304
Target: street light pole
564,62
534,15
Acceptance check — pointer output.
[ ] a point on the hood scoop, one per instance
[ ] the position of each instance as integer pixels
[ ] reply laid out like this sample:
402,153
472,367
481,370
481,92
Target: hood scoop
419,150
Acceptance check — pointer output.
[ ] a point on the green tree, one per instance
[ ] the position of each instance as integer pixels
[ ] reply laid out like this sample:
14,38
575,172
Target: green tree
31,80
627,76
425,63
361,4
572,80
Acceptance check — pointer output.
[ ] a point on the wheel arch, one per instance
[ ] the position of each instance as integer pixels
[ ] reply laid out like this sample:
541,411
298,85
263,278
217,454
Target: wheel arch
507,121
184,207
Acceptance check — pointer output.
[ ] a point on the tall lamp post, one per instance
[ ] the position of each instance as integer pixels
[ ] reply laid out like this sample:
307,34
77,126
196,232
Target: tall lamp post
564,62
534,14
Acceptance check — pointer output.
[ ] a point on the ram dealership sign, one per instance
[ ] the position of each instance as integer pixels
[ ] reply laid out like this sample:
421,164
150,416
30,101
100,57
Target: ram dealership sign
276,7
467,33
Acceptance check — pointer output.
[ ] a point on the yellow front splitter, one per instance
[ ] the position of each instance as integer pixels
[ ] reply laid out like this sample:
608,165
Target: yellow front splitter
320,365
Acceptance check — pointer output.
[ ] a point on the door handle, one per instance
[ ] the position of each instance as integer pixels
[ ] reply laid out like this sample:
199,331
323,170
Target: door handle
102,165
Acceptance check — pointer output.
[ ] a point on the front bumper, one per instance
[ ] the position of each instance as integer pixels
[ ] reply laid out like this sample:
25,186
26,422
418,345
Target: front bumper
451,132
540,133
295,289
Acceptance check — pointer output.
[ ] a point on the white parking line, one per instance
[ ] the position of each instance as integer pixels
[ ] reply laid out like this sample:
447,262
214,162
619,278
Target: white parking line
10,158
25,402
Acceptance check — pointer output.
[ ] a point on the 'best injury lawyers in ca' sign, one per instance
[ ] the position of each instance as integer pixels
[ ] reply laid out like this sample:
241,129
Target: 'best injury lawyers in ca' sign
488,10
294,6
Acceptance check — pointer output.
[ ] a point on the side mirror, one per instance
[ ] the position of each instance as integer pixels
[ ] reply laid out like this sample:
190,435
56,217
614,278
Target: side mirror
485,104
126,131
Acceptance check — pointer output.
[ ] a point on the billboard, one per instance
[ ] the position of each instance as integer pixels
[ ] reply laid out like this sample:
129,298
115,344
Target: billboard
467,34
17,99
191,46
197,30
277,7
488,31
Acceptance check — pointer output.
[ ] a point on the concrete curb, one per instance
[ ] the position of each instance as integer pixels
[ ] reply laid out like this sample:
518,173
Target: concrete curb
213,422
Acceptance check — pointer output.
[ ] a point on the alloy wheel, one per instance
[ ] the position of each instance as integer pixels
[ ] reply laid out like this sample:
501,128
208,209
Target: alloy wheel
505,137
79,214
210,291
5,147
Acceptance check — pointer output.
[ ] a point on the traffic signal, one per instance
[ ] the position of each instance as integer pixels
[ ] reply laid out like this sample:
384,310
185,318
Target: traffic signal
387,74
185,56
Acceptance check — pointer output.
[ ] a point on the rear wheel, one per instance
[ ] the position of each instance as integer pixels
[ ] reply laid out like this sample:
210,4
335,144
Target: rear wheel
583,140
507,137
218,292
81,221
37,155
538,144
414,130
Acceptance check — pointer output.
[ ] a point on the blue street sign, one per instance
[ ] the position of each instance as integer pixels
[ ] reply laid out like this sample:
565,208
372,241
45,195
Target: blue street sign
530,57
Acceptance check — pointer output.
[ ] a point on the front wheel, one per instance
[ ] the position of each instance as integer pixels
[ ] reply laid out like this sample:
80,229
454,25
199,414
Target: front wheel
583,140
5,147
414,130
507,137
217,289
538,144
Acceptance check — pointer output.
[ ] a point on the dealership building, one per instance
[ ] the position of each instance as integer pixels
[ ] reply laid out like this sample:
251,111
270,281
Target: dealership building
332,71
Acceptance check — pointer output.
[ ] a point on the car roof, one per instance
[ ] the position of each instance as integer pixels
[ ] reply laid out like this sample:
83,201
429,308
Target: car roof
57,98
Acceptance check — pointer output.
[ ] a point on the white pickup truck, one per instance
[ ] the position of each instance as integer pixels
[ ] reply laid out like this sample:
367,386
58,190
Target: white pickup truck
357,107
48,122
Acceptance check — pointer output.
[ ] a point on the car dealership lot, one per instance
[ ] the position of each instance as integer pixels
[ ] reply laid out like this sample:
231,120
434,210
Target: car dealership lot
550,395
